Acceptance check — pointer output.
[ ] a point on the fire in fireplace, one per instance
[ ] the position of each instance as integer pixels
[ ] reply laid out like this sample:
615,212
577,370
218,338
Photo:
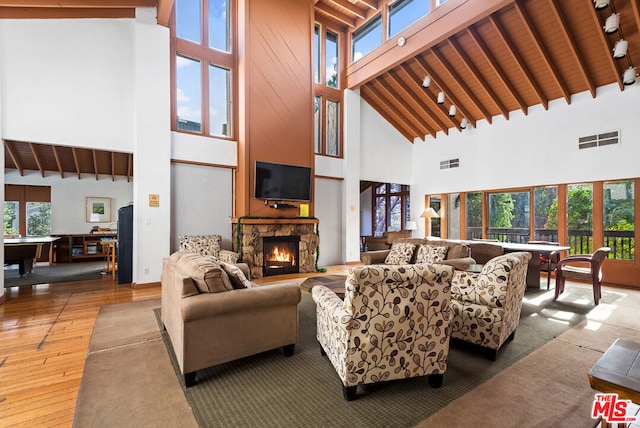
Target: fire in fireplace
280,254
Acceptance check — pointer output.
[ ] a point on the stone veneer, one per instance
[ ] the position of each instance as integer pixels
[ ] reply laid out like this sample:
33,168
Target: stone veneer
253,230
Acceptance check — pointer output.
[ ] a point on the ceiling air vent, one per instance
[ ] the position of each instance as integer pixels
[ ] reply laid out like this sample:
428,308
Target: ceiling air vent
599,140
451,163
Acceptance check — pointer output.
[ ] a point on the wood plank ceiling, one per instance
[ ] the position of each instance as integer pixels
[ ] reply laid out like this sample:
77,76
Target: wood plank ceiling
527,53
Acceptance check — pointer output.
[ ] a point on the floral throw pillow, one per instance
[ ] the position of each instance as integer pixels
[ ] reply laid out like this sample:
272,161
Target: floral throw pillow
401,253
431,253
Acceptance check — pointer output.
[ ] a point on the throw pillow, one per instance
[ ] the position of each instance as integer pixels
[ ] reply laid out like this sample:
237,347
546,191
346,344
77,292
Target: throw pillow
400,254
431,253
236,276
205,272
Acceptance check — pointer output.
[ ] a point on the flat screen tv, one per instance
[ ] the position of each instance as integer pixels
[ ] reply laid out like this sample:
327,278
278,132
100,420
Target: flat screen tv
279,182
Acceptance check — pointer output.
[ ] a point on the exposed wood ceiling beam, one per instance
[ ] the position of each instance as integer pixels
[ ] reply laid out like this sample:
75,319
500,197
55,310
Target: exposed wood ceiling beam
371,4
497,69
56,156
453,76
435,79
94,156
407,89
517,58
129,166
113,166
404,105
482,82
574,48
36,157
76,161
352,8
544,54
339,16
14,157
97,4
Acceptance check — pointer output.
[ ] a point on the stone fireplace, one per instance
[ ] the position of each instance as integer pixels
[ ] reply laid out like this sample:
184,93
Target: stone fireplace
257,234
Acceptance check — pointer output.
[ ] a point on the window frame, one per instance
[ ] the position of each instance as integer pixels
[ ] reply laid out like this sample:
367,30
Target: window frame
208,57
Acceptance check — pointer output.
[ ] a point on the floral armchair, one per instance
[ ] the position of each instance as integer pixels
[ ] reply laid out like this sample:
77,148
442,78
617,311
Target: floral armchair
392,324
486,306
207,245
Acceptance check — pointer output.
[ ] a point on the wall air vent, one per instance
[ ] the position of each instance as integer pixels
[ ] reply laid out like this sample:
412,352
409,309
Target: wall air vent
597,140
451,163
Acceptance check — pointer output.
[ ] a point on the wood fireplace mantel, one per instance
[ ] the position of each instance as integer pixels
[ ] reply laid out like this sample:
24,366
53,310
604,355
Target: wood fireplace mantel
276,220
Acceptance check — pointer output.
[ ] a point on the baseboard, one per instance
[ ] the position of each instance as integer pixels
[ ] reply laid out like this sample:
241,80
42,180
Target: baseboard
145,285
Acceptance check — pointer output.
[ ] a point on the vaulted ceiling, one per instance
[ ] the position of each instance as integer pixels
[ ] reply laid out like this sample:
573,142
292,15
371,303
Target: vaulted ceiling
489,58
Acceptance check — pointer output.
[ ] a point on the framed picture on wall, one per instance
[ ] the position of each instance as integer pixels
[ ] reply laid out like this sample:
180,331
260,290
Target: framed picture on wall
98,209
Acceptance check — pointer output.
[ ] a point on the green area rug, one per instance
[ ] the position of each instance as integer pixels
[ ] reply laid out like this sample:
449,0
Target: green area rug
45,274
304,390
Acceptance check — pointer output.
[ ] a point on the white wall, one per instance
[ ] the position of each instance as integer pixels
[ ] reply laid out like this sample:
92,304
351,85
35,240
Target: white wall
68,198
328,210
97,83
201,202
540,148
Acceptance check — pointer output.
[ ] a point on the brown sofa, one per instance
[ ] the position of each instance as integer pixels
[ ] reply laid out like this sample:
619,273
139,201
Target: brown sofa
214,315
373,243
459,255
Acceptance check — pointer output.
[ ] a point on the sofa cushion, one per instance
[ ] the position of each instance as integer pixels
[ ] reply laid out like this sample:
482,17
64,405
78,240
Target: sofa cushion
401,253
431,253
206,272
236,276
455,250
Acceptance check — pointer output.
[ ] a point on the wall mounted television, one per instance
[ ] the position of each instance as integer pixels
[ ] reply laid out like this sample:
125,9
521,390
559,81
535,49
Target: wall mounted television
279,182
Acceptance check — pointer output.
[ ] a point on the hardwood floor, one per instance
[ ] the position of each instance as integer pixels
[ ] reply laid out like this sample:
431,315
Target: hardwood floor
44,337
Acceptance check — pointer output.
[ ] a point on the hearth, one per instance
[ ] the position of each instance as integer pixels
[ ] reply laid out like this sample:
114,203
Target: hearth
280,254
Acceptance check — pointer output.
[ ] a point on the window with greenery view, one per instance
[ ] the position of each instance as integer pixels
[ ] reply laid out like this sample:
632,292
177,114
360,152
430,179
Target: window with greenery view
545,220
509,216
453,216
580,218
11,220
619,219
474,215
391,207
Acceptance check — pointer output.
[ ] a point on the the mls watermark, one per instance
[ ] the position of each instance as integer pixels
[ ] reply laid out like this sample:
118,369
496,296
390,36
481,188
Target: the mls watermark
612,409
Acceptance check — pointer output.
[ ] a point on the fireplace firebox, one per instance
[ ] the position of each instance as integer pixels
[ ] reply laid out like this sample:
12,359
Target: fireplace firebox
280,254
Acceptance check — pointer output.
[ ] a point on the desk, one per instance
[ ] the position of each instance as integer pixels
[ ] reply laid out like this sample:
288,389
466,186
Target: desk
110,245
533,271
24,251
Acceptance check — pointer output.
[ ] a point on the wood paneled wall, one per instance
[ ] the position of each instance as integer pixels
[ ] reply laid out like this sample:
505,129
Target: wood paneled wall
275,94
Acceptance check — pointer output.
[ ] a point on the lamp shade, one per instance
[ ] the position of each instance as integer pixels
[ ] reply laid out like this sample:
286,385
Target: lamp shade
620,49
601,4
612,23
426,82
411,225
429,213
629,76
440,97
452,111
463,123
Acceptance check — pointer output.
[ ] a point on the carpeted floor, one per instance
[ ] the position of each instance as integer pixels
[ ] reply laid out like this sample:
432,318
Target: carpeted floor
44,274
536,380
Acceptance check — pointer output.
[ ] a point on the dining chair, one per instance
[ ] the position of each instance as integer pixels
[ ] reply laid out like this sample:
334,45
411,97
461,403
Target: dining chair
548,261
566,269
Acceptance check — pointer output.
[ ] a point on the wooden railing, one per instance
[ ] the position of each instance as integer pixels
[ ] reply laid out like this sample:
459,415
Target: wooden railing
622,243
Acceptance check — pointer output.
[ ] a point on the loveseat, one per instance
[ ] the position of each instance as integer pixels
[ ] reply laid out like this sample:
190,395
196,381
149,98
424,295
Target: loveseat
392,324
454,253
486,306
214,314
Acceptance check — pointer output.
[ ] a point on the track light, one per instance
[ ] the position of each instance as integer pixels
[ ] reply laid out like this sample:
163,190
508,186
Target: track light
440,97
452,111
426,82
620,49
612,23
463,123
629,76
601,4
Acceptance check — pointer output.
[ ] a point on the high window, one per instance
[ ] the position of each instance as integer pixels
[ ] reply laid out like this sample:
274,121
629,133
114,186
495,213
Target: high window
366,38
405,12
328,94
203,65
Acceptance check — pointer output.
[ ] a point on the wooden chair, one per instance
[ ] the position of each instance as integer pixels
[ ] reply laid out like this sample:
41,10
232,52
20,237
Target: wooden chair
592,273
548,261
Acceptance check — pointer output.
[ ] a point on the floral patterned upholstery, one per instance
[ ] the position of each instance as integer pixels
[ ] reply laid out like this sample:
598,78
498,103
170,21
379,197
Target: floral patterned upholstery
207,245
392,324
486,306
401,253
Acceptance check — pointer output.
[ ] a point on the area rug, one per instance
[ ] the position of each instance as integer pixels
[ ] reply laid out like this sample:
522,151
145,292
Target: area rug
304,390
45,274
